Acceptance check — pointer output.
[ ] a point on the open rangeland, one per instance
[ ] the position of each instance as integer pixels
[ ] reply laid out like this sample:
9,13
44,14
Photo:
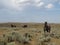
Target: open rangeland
28,34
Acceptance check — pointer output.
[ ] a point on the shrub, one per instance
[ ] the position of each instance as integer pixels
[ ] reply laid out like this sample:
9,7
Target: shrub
27,35
19,38
44,40
26,40
11,36
2,43
54,35
11,43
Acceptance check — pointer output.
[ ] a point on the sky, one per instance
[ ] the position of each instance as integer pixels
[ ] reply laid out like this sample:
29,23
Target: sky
30,11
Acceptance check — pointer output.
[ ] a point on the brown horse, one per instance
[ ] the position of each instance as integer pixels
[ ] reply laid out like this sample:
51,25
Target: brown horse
25,26
13,25
47,27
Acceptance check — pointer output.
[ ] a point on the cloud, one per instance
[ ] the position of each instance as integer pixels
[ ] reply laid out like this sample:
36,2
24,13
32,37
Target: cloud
39,4
37,1
14,4
21,4
50,1
36,10
49,6
59,2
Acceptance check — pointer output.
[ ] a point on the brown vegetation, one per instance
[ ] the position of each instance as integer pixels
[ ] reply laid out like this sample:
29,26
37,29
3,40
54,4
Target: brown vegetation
31,35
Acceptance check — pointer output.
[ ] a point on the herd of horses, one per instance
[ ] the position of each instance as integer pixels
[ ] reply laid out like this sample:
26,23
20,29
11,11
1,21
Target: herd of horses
47,27
24,26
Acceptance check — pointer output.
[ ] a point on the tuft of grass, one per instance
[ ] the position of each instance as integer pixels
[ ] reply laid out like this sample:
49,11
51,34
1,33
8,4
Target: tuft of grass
11,43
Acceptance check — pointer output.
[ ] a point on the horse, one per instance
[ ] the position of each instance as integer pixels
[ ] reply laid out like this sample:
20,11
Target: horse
13,25
47,27
25,26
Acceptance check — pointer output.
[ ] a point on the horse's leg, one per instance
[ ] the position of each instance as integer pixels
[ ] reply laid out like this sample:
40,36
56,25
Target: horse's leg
44,31
49,31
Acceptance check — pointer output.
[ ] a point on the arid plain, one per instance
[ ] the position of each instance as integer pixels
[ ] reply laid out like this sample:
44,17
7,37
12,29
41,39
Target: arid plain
30,34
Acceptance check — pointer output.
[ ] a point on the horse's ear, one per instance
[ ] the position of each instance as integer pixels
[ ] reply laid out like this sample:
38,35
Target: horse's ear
45,22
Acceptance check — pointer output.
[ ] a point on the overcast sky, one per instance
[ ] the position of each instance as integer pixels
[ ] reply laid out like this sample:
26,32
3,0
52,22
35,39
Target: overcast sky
30,11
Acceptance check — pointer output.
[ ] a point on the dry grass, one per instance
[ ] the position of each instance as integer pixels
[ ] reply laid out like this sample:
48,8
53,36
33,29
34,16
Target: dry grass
35,30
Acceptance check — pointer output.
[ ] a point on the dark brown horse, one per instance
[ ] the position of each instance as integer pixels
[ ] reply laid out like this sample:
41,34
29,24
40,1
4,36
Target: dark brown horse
47,27
25,26
13,25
